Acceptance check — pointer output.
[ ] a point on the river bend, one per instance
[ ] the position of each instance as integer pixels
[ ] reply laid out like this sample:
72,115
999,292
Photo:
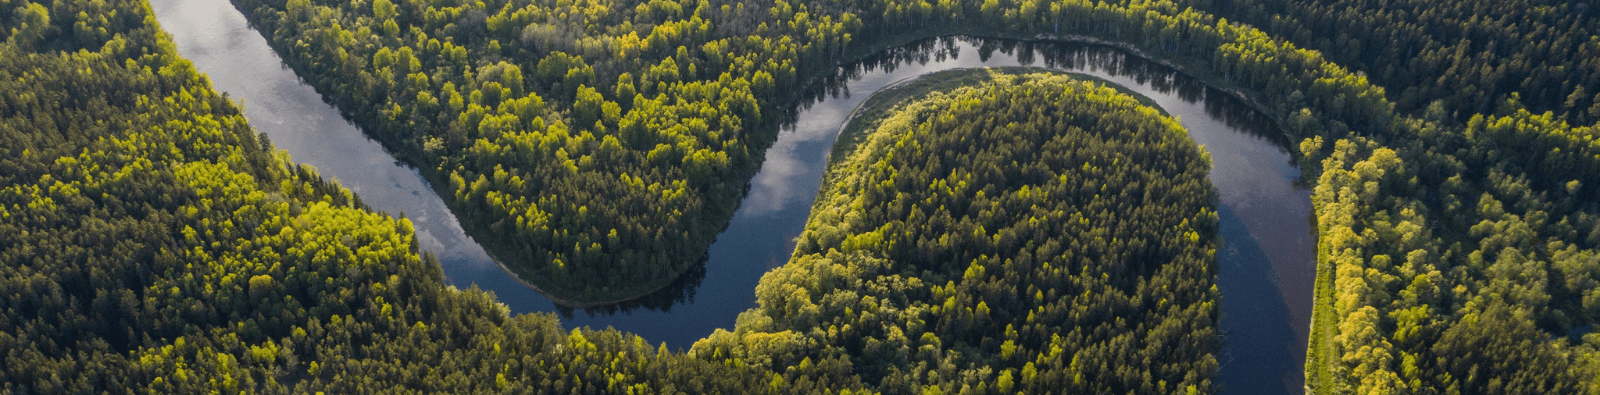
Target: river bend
1267,261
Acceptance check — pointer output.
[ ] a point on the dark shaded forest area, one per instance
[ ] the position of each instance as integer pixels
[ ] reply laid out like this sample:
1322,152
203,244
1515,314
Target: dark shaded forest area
1468,55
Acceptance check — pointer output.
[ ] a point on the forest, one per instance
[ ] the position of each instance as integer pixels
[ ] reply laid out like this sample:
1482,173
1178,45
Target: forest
1453,163
1452,150
1029,233
153,243
1469,56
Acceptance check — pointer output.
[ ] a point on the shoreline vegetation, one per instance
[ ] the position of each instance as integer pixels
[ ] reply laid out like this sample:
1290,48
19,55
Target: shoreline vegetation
866,115
152,242
675,291
1335,113
772,104
1034,259
1461,234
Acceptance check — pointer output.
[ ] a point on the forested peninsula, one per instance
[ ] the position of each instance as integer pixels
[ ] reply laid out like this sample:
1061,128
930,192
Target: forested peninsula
1029,233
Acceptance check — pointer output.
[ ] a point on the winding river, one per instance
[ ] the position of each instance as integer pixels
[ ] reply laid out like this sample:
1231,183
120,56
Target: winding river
1267,259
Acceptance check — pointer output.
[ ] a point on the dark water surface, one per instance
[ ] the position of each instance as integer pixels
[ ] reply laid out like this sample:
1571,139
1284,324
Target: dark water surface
1267,259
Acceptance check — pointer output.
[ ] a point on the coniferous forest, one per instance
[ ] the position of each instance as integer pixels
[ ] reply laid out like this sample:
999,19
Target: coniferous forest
1032,233
154,244
1028,234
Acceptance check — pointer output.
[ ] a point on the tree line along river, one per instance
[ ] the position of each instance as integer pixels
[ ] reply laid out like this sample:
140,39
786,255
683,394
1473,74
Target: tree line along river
1267,259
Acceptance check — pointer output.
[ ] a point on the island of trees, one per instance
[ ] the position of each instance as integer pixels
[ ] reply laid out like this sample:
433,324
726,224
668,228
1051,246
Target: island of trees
1452,150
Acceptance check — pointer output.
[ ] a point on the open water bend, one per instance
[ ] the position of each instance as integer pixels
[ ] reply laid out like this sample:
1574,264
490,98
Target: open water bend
1267,258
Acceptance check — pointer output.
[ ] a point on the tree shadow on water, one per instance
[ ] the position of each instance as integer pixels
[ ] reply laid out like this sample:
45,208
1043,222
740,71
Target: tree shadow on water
679,291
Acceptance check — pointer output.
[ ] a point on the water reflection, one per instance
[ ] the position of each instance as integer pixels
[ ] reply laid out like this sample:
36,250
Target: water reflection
1248,277
1268,262
238,61
680,291
1266,295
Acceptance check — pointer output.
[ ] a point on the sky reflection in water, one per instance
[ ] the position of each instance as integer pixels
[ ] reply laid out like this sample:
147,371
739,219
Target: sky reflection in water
1267,266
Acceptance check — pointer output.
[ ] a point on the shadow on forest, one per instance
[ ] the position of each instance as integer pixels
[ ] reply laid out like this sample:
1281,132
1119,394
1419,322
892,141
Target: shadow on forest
679,291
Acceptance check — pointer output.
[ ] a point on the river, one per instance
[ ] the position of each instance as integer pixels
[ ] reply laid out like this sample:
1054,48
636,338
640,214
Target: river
1267,261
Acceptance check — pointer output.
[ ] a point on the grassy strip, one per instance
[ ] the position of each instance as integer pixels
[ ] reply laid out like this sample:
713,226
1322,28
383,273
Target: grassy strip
1320,353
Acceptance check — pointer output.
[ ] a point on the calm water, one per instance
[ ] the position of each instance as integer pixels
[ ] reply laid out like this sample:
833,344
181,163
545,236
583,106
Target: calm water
1267,262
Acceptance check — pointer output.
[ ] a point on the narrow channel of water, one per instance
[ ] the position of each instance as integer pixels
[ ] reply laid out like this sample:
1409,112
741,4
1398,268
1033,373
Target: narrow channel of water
221,43
1267,262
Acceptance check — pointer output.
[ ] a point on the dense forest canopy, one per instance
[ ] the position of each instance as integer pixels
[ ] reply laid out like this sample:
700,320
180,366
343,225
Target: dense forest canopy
153,243
1032,233
1469,55
597,153
1452,149
1448,213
